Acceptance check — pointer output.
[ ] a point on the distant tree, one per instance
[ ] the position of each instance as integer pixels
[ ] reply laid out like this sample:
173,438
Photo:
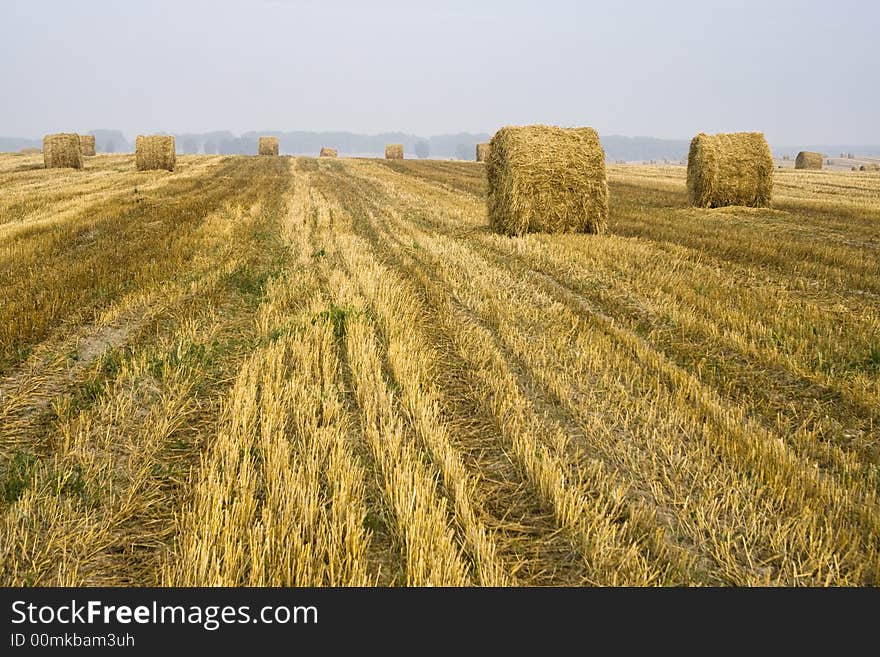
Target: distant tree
231,146
190,145
210,147
423,150
463,152
249,145
110,146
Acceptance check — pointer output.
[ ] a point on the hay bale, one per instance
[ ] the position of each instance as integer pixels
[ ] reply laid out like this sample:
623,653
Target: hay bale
730,169
482,152
155,152
808,160
547,179
394,152
30,151
328,152
62,150
870,167
268,146
87,142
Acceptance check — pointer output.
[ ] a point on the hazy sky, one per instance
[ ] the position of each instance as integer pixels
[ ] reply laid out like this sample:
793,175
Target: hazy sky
803,72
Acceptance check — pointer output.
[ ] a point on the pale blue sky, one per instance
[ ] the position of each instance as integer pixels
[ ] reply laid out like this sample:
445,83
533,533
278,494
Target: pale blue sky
803,72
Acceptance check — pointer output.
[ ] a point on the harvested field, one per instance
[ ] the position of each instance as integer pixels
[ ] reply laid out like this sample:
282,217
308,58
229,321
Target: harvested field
314,371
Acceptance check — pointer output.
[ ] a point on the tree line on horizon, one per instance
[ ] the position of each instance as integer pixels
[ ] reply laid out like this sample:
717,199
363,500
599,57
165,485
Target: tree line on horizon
461,146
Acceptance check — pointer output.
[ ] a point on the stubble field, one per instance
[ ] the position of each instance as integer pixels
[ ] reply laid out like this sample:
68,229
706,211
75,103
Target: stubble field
296,371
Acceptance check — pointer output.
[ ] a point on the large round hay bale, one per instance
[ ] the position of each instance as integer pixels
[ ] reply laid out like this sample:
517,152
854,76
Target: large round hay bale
482,152
268,146
87,142
155,152
394,152
328,152
808,160
547,179
62,150
730,169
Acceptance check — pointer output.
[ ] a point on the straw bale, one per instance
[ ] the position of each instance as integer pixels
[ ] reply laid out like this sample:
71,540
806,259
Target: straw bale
547,179
155,152
394,152
62,150
268,146
730,169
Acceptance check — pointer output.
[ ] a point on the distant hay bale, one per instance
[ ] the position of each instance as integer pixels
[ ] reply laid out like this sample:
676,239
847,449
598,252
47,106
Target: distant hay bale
808,160
854,169
870,167
155,152
730,169
88,144
482,152
30,151
394,152
547,179
268,146
328,152
62,150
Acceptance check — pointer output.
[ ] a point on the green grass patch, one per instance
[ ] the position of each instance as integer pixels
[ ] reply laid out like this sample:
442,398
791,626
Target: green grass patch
16,476
338,317
72,483
250,282
872,362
